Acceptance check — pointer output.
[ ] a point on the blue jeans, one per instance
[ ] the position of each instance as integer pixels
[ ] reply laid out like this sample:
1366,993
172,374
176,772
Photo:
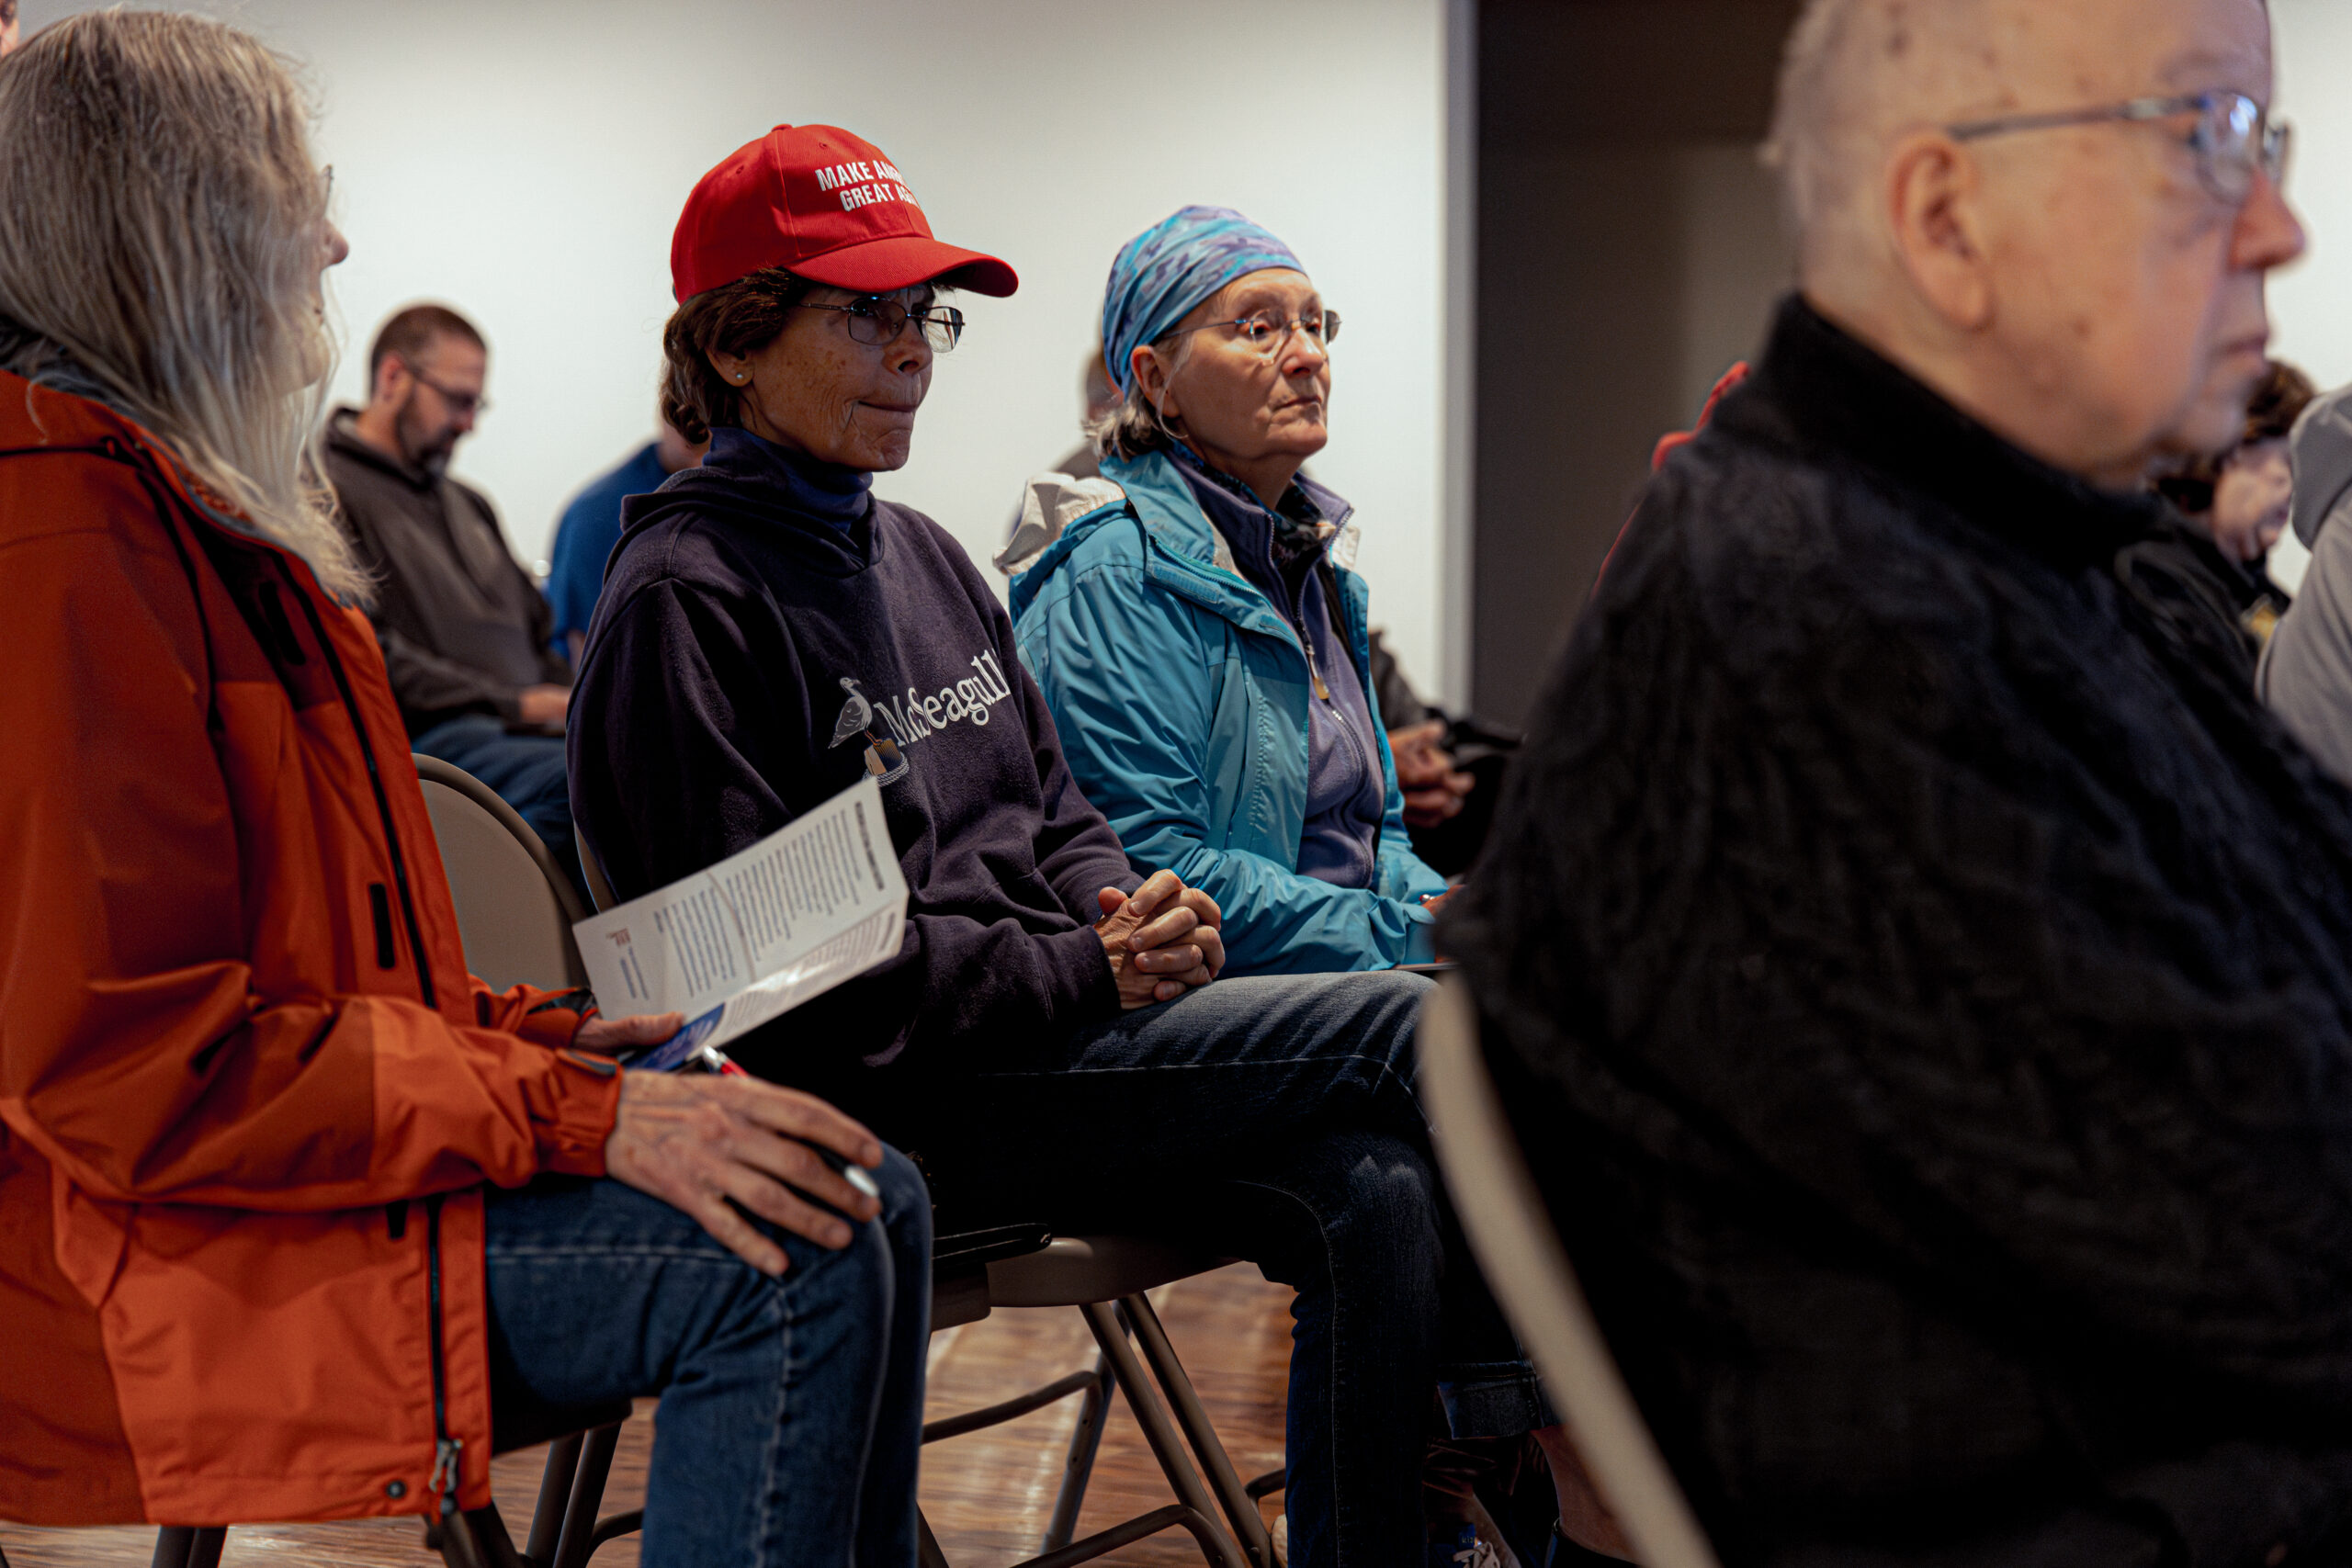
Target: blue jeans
791,1414
1272,1117
527,772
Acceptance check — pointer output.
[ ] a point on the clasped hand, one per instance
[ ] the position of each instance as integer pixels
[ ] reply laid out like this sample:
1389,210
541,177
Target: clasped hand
1162,939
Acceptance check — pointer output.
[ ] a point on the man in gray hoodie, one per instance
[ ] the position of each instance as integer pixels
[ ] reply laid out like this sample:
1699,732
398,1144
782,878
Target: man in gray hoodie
2306,673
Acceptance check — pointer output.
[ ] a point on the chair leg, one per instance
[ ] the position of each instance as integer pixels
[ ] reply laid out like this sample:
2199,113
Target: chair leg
927,1552
495,1547
1085,1439
555,1496
189,1546
576,1540
1166,1446
1240,1507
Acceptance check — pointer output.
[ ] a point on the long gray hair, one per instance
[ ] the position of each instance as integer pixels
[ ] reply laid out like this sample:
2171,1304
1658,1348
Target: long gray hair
161,234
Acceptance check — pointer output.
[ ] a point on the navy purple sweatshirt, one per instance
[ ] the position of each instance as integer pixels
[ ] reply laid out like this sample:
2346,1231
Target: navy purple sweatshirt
768,633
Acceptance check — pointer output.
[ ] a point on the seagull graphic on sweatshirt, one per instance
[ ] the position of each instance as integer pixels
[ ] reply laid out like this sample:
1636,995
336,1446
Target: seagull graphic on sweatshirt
883,758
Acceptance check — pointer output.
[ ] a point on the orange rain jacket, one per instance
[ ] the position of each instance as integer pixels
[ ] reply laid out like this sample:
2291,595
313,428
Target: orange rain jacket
248,1092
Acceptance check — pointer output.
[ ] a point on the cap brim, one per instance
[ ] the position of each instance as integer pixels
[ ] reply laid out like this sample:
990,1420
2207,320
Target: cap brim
901,261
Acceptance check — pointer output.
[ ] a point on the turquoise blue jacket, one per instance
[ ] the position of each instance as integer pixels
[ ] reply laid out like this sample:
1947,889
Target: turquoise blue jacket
1181,693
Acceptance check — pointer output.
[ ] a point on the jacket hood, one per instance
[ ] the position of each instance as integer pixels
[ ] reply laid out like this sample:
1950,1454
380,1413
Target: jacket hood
1059,514
2320,449
817,512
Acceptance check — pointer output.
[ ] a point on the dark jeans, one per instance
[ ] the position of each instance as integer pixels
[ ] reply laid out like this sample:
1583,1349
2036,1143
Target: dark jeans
1272,1117
791,1414
527,772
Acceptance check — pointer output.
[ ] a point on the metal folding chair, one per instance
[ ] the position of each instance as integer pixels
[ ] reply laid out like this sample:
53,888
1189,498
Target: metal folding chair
1510,1232
515,907
1107,1279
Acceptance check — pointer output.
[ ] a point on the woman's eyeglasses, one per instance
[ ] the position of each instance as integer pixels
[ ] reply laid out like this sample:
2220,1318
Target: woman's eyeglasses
1268,331
2232,138
878,320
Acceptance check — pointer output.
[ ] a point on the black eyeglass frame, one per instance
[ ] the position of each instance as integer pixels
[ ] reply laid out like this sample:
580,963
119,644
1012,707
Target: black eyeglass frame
2265,142
938,321
476,404
1328,320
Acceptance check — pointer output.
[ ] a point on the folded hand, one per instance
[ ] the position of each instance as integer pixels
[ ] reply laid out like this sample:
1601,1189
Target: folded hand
1162,939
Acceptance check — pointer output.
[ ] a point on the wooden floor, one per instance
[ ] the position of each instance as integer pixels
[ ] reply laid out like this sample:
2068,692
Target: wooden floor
987,1495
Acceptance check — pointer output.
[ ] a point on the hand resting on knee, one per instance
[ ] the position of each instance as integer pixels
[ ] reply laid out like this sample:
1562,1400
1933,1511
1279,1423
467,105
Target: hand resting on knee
706,1145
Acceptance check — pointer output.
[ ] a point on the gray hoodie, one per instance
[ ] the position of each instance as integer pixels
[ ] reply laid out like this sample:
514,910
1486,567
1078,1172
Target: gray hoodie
2306,673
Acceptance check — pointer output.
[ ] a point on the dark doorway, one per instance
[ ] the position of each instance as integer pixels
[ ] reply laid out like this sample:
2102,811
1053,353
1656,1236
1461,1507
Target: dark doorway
1629,250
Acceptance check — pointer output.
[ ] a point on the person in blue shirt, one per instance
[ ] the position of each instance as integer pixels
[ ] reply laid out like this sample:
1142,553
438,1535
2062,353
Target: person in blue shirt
1198,633
590,526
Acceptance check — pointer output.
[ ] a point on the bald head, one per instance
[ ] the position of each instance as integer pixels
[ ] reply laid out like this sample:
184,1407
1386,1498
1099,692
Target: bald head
2080,288
1860,75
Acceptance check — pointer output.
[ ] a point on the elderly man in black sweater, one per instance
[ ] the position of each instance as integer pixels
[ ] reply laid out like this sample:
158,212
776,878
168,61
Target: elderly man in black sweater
1925,986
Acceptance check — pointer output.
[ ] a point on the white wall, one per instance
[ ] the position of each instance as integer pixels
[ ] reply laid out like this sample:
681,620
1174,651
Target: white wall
2310,302
525,160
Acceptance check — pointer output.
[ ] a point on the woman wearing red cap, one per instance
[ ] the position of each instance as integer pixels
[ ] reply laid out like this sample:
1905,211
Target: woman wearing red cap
1047,1036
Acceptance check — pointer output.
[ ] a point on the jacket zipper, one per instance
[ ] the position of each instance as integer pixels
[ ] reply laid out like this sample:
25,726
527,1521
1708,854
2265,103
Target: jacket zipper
447,1451
1364,751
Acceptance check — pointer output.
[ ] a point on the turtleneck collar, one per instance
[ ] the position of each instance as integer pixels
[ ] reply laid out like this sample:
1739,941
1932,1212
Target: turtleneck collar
1818,386
1308,513
809,487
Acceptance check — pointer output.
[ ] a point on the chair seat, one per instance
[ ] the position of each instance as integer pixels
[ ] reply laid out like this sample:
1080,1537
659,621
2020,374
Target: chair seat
523,1423
1073,1270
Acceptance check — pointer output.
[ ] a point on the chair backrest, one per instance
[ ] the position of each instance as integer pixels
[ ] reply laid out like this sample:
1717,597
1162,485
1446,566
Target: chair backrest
515,905
600,891
1511,1234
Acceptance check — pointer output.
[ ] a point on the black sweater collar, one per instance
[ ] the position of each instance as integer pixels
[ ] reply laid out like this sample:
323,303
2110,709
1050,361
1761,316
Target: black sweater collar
1829,392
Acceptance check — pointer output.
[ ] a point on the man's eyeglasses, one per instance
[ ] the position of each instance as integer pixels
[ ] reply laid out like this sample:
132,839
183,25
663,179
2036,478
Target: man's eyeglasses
878,320
1268,331
2233,137
460,403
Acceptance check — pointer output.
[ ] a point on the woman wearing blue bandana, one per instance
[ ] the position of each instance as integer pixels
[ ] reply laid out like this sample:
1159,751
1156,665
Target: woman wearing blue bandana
1202,644
1201,639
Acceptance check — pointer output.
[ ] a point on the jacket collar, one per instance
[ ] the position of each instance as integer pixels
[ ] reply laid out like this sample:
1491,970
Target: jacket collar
1192,559
1820,389
344,441
34,415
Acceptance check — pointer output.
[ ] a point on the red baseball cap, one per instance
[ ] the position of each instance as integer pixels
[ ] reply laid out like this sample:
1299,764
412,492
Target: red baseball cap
826,205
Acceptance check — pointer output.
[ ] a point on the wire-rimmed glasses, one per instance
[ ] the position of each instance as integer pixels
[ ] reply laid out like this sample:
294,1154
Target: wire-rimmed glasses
1268,331
878,320
2233,135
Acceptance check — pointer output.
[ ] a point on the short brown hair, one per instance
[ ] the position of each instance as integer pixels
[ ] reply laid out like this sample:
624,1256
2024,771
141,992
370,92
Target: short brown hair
2270,413
410,332
741,317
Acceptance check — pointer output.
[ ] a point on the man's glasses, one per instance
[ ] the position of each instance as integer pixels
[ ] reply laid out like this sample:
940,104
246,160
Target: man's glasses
878,320
460,403
1268,331
2233,137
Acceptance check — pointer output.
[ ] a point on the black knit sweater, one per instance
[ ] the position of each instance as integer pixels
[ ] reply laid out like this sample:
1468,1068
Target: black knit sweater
1925,986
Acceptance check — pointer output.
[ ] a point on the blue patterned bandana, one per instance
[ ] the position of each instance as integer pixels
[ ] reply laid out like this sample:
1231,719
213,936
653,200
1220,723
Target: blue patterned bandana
1165,271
